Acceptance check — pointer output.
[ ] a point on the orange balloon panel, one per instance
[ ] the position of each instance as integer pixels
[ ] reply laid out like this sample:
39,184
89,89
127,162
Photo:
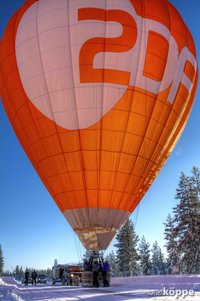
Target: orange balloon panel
98,92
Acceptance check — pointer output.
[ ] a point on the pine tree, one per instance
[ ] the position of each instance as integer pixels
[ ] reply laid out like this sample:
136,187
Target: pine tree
127,255
144,256
162,262
171,246
187,223
17,270
155,259
1,261
196,180
111,258
182,231
158,261
195,221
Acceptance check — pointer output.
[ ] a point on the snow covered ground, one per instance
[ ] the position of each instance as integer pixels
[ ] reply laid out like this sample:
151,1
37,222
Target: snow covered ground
150,288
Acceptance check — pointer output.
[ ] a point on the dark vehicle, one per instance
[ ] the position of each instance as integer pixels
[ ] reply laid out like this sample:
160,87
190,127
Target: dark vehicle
42,279
67,274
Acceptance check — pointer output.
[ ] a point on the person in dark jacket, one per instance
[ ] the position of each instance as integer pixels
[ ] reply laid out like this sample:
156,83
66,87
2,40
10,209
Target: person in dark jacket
86,266
26,276
105,270
34,277
95,270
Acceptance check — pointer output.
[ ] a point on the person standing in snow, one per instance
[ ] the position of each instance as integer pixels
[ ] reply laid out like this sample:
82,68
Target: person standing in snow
95,270
34,277
26,276
105,270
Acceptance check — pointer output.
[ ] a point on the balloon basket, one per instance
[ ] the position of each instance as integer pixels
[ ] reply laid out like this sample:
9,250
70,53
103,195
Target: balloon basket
87,279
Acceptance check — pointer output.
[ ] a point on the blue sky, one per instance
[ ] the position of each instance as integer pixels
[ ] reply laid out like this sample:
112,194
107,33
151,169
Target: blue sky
33,232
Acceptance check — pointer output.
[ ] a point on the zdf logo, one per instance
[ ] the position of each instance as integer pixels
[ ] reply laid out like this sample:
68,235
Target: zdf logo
84,55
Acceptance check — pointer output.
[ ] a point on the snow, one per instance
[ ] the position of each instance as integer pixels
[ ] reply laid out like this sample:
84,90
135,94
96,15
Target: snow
144,288
16,297
2,282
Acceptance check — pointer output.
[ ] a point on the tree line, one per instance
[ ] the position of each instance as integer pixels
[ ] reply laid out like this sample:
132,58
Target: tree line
182,236
134,257
182,227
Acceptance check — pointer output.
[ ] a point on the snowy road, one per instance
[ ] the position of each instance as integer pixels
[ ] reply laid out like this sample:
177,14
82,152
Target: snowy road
149,288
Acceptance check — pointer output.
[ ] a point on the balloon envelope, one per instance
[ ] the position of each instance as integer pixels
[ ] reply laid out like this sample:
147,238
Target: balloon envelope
98,92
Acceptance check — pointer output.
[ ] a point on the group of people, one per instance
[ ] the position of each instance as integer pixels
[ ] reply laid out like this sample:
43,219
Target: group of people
33,277
97,266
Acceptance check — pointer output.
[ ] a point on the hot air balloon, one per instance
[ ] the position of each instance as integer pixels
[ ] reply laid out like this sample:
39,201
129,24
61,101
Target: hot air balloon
97,92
